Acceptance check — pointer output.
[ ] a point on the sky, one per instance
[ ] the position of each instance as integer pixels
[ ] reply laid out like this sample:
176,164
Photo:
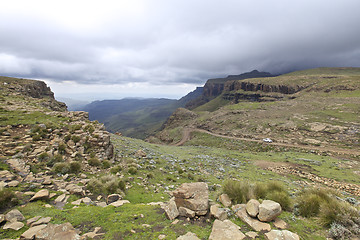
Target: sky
94,50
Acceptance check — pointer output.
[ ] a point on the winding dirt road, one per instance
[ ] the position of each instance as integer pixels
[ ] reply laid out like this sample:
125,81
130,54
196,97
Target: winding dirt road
187,133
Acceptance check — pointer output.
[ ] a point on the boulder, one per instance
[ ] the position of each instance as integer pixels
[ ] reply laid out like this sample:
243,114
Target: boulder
269,210
252,235
41,221
217,212
113,198
42,194
255,224
225,230
171,210
194,196
119,203
280,224
225,200
13,225
252,207
14,215
74,189
30,233
32,220
58,231
281,235
188,236
185,212
86,200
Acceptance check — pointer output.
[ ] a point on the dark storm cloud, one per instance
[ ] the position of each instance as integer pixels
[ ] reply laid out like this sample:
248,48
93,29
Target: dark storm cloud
172,42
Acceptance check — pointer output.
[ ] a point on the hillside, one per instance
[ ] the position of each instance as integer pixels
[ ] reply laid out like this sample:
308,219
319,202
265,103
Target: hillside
65,177
133,117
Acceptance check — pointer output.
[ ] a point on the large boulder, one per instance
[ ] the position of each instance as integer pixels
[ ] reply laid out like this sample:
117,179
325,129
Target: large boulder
225,230
269,210
58,231
281,235
14,215
194,196
30,233
252,207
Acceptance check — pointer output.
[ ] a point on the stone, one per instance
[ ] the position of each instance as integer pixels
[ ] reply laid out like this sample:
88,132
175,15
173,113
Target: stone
32,220
119,203
42,194
14,215
252,207
60,198
86,200
51,195
280,224
225,200
92,234
41,221
113,198
74,189
281,235
185,212
194,196
269,210
77,202
171,210
47,181
2,218
188,236
58,231
225,230
13,225
255,224
217,212
161,236
30,233
101,204
13,183
252,235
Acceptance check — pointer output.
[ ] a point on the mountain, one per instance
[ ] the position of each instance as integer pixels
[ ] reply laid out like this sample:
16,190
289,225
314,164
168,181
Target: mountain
214,87
133,117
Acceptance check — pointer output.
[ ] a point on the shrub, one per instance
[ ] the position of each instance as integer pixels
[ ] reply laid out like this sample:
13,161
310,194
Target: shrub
310,200
43,157
150,175
75,167
260,190
62,168
281,197
106,185
116,169
62,148
132,170
78,157
190,176
94,162
106,164
75,138
7,198
73,128
238,191
55,159
89,128
67,137
36,137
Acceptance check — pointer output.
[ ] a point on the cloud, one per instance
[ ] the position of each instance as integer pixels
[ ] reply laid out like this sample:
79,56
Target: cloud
172,43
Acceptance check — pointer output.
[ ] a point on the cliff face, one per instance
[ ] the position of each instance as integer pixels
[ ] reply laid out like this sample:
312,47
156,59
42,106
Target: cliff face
247,86
37,89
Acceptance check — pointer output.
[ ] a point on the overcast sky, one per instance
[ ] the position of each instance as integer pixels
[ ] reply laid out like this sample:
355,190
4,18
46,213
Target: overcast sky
165,48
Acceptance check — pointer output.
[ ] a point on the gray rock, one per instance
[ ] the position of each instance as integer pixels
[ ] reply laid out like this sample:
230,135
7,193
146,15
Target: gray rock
32,220
280,224
74,189
113,198
188,236
269,210
255,224
281,235
42,194
171,210
217,212
14,215
225,230
252,235
252,207
30,233
194,196
57,231
41,221
185,212
13,225
225,200
119,203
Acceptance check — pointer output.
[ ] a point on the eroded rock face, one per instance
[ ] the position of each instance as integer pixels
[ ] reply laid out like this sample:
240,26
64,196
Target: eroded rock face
269,210
225,230
194,196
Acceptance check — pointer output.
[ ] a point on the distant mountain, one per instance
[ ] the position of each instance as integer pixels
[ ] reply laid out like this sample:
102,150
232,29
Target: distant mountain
136,117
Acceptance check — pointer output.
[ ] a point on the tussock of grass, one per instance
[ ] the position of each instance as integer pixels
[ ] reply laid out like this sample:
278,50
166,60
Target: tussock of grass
106,185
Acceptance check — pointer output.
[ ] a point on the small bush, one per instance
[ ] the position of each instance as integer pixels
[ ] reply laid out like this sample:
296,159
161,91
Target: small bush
62,168
62,148
132,170
89,128
310,200
94,162
238,191
190,176
55,159
75,138
106,185
150,175
106,164
75,167
7,198
122,185
260,190
43,157
78,157
36,137
116,169
67,137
